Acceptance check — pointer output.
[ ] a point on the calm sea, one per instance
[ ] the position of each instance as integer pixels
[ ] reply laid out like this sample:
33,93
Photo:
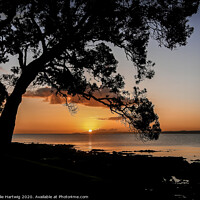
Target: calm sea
185,145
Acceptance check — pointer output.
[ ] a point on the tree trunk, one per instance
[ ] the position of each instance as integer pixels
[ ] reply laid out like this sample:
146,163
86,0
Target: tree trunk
8,116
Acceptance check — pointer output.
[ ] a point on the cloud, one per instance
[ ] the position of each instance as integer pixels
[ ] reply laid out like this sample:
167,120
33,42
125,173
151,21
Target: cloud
93,103
50,96
42,92
111,118
55,99
85,102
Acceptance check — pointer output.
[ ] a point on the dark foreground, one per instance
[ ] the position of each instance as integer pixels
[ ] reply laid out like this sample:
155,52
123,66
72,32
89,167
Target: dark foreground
62,172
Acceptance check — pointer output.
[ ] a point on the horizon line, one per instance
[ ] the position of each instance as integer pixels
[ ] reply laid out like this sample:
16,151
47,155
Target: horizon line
103,132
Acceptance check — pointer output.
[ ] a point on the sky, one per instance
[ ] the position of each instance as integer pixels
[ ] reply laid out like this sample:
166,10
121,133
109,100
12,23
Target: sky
174,91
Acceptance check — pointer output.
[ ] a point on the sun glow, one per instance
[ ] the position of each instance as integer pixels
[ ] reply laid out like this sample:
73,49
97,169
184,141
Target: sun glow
90,130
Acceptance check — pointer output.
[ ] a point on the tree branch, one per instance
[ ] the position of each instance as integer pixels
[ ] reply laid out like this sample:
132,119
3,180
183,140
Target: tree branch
20,58
41,35
25,54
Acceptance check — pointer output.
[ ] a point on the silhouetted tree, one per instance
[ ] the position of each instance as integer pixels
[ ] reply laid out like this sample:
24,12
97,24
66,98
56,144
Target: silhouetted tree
3,96
68,41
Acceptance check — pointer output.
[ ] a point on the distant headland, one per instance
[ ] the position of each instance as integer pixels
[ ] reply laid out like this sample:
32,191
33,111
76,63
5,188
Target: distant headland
181,132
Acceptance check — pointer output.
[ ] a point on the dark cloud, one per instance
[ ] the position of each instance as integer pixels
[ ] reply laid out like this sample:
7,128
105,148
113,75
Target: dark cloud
50,96
112,130
42,92
111,118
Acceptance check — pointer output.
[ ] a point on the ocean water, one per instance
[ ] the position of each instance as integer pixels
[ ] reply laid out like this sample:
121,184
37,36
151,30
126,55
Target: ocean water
184,145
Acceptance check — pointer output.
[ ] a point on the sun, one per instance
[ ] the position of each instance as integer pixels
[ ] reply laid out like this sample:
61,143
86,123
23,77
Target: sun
90,130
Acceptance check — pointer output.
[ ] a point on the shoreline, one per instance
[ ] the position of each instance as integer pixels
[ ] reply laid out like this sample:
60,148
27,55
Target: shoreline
62,169
185,145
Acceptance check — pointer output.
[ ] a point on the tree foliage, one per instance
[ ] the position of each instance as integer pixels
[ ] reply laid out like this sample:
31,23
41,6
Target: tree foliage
68,43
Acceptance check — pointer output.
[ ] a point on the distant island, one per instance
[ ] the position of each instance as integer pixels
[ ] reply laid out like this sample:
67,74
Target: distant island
181,132
104,131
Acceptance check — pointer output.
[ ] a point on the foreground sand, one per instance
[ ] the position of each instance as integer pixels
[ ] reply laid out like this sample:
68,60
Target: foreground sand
61,172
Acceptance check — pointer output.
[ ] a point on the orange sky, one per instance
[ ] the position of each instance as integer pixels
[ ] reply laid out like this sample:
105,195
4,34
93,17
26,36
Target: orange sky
37,116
